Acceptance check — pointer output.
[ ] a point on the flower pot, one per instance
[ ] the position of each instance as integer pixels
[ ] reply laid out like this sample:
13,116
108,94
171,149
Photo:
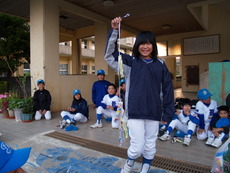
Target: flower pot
17,113
26,118
5,114
11,114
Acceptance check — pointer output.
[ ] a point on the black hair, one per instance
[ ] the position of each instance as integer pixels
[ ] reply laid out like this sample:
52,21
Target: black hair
142,38
75,98
111,84
182,102
223,108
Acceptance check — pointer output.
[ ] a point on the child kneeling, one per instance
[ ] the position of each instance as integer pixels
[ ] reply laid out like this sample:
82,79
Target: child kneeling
108,107
78,111
185,121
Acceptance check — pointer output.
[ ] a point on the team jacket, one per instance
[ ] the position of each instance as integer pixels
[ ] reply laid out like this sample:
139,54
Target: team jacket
145,83
99,90
81,106
42,100
184,119
206,113
111,100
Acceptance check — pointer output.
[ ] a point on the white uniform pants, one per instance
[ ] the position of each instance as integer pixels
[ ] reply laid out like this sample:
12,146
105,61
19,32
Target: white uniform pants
108,113
77,117
143,134
182,127
204,135
38,115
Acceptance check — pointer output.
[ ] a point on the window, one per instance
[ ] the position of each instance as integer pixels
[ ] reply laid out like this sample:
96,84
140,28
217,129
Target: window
84,69
84,44
63,69
93,69
162,48
178,66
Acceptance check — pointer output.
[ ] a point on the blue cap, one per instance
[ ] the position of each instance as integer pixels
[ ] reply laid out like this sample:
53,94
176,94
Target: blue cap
11,159
40,81
203,94
100,71
122,81
77,91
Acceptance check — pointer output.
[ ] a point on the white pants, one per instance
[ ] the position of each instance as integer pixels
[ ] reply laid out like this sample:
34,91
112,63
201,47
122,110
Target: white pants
143,134
204,135
108,113
38,115
77,117
182,127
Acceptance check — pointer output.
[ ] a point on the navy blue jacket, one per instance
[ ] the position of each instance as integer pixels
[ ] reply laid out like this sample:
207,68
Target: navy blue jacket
81,106
149,87
42,100
99,90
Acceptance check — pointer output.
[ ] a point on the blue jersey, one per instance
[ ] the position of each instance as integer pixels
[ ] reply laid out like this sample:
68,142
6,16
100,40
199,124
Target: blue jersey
99,90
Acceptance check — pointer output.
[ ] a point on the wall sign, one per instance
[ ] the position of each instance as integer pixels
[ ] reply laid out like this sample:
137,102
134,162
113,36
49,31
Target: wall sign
201,45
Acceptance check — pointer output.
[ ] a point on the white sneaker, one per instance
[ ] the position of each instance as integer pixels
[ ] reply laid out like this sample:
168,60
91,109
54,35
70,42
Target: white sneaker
164,137
209,141
96,125
187,140
126,169
217,143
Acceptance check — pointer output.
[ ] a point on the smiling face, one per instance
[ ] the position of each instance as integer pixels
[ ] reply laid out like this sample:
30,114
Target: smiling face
145,50
77,96
100,77
111,90
186,108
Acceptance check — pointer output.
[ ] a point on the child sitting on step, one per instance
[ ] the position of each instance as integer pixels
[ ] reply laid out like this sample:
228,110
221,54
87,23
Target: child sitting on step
78,111
185,121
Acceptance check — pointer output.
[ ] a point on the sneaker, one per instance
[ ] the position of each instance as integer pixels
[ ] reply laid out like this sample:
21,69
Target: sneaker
96,125
217,143
164,137
187,140
210,141
126,169
62,124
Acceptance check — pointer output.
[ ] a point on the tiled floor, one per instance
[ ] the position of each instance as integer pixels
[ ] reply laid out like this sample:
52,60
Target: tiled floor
197,152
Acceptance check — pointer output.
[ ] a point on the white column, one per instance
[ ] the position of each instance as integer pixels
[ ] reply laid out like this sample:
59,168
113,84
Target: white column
101,31
44,21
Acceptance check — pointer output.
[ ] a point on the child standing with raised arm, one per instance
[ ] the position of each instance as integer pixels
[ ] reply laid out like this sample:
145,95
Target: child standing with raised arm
147,78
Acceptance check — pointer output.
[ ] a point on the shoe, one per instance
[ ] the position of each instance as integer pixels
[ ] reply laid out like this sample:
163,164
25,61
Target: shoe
126,169
210,141
187,140
164,137
62,124
96,125
217,143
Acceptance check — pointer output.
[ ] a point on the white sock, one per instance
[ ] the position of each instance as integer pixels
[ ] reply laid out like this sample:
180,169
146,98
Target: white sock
145,168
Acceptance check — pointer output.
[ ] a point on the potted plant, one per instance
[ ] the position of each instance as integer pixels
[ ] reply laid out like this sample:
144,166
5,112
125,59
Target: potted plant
4,105
16,104
27,109
11,108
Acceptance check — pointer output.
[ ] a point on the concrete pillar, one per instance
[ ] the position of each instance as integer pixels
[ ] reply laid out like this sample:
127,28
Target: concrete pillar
44,21
101,31
76,60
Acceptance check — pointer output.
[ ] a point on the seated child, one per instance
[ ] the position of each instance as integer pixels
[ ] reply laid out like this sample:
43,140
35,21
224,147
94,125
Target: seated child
206,108
108,107
121,91
219,126
78,111
185,121
42,101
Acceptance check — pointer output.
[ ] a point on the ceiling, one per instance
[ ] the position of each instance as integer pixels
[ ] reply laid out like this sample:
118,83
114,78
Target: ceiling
144,15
